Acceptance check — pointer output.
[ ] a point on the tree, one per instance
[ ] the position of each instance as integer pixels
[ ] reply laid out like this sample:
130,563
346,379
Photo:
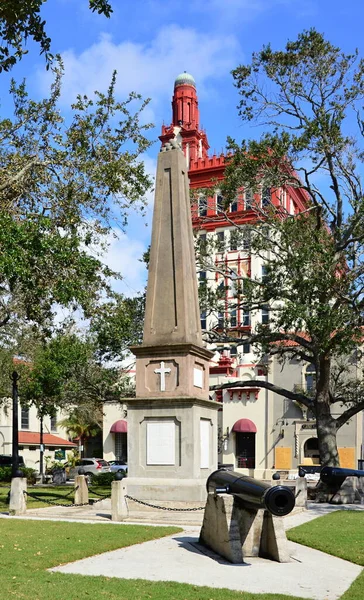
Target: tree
21,19
117,325
309,99
82,424
63,187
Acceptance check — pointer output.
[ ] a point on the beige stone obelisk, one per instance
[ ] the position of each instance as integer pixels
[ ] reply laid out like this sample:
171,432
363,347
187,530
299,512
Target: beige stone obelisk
172,423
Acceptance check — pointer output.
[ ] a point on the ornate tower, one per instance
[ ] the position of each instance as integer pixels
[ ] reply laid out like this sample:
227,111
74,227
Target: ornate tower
185,126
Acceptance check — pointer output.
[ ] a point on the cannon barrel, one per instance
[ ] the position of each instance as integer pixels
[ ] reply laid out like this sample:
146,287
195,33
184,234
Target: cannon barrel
336,475
278,499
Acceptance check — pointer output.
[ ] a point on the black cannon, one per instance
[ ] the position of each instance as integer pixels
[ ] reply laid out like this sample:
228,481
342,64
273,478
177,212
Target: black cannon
334,477
277,499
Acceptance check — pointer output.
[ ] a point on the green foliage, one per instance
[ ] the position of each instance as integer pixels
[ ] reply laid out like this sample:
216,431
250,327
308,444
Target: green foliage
21,19
63,373
116,325
103,480
84,421
63,185
308,97
30,474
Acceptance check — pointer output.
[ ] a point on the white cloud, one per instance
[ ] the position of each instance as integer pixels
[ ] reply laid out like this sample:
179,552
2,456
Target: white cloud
148,68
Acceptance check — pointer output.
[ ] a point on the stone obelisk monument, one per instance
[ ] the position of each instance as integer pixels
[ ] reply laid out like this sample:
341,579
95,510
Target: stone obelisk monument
172,423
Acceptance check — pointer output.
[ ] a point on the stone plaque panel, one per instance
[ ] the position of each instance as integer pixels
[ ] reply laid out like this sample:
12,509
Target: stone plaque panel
161,443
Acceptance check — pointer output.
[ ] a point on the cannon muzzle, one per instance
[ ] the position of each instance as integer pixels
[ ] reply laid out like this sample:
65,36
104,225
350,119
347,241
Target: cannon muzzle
335,476
278,499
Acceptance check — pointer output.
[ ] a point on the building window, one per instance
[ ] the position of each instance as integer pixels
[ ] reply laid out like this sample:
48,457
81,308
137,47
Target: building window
221,289
202,277
220,320
246,348
249,199
265,315
121,447
233,321
310,378
234,206
246,317
203,319
202,242
234,240
266,196
234,283
264,272
202,206
245,450
219,203
54,422
24,417
246,242
233,351
220,241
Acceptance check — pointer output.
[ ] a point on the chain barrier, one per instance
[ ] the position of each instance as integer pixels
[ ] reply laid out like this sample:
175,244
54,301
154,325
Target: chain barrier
97,494
31,495
165,507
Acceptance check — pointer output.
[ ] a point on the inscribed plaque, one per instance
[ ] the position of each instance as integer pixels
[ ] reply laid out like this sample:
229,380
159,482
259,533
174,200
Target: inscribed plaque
161,446
198,377
205,427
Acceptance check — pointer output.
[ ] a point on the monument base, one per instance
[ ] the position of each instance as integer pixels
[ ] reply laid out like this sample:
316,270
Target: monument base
236,532
150,489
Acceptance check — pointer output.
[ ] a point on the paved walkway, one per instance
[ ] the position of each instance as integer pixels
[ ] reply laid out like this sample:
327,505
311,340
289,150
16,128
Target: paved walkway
310,574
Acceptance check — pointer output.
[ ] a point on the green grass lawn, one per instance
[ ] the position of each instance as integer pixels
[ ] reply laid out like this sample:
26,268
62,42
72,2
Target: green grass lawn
60,494
340,533
28,548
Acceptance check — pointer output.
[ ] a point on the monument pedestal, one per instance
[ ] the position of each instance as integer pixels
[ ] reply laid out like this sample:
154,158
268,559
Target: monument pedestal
173,447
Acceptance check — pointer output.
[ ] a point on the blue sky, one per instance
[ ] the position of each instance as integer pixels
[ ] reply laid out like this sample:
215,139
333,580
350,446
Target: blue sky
149,42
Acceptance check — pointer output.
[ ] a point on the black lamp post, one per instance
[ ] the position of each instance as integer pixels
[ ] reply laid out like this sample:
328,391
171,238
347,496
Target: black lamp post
15,449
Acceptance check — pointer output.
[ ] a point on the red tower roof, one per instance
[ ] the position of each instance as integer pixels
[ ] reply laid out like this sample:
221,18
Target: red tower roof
185,125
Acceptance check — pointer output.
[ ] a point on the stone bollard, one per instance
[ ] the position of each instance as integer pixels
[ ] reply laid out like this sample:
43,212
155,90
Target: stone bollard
81,490
18,503
119,507
301,492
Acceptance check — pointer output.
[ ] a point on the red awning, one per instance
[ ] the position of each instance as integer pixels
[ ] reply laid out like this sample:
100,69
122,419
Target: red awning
31,438
244,426
119,427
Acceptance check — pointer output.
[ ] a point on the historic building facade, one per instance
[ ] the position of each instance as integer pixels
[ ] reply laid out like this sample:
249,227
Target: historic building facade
259,431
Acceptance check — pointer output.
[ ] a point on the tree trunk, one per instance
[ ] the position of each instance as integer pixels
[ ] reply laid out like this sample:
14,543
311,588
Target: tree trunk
325,423
326,433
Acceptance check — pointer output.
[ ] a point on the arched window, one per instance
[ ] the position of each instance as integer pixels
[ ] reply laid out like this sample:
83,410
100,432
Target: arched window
311,449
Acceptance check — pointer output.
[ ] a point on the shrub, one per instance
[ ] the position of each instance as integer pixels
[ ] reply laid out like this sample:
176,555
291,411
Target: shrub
104,479
30,474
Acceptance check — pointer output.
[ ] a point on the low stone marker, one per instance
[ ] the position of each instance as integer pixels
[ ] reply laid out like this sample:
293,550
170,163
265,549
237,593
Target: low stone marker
18,504
81,490
119,507
301,492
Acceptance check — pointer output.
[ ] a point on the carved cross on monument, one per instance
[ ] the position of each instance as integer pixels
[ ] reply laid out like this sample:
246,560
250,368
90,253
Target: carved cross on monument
162,372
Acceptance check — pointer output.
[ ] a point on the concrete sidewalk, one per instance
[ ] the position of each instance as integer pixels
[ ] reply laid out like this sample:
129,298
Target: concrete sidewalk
311,574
